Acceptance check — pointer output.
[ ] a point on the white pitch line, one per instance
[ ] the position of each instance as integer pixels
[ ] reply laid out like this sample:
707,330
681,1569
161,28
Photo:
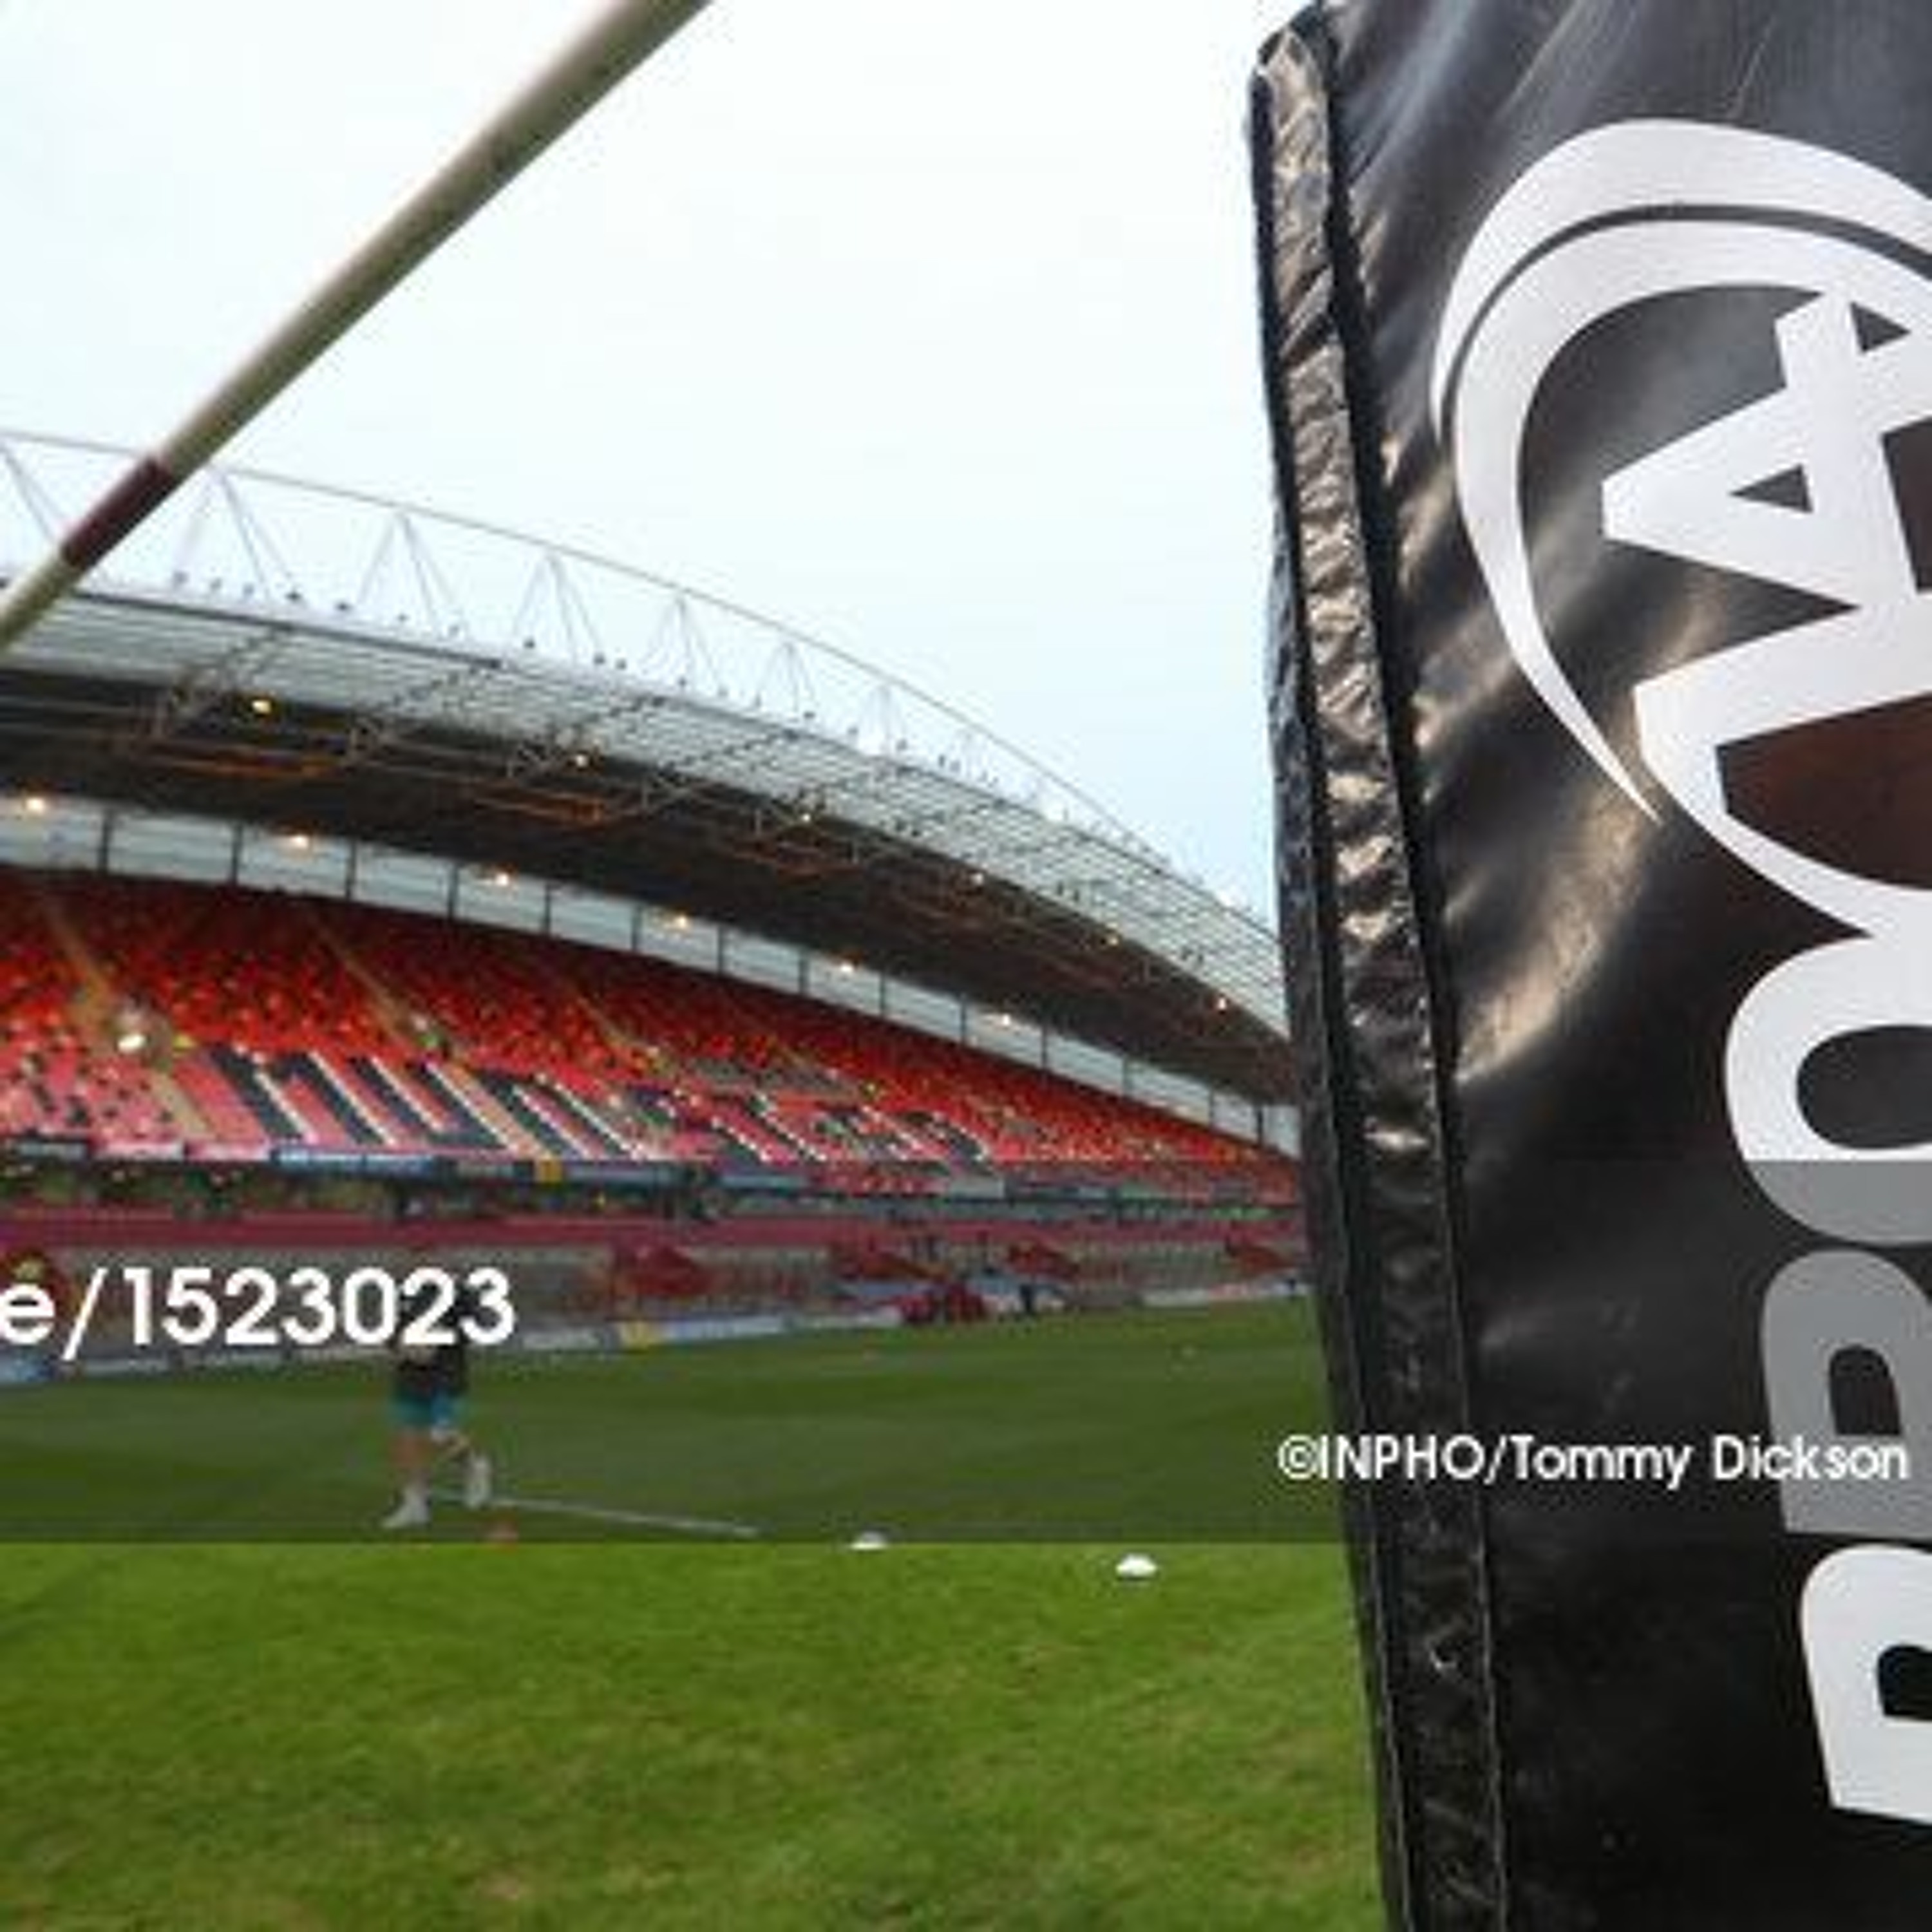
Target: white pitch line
685,1525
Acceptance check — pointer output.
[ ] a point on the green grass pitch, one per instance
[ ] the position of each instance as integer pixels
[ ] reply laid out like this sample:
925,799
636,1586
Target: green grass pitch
533,1719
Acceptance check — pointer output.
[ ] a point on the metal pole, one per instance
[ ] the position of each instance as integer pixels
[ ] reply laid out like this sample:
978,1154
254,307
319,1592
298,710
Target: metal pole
620,36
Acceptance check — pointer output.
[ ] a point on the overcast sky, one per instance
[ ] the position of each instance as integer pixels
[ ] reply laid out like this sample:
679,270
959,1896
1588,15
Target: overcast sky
926,324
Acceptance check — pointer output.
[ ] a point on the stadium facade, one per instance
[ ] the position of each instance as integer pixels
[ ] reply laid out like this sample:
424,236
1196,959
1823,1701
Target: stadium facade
365,871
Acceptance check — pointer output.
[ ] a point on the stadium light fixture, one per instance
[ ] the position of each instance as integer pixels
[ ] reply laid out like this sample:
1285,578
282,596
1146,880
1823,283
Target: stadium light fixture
618,37
261,705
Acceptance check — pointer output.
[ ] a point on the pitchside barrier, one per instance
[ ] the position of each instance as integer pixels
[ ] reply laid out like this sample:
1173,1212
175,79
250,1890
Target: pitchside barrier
1599,348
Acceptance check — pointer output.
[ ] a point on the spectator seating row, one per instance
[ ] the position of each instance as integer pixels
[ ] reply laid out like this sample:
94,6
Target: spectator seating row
144,1013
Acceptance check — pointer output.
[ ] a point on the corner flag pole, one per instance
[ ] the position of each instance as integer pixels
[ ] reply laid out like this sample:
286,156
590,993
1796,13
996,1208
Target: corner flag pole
619,37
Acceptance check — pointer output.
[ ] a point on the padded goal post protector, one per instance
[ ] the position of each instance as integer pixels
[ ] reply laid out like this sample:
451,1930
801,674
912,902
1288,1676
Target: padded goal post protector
1598,341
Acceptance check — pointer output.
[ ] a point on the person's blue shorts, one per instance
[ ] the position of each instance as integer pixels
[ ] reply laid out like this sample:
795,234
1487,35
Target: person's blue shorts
440,1410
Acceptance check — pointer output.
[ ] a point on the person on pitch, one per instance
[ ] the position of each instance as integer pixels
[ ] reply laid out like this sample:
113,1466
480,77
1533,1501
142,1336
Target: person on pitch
429,1383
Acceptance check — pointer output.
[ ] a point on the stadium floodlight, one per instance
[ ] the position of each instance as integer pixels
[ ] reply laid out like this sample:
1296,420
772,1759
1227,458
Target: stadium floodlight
618,37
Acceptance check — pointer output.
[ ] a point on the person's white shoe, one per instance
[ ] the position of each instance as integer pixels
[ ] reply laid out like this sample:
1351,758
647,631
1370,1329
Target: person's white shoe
412,1513
478,1483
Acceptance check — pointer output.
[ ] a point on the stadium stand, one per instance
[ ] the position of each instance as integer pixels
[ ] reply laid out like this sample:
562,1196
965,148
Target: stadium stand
146,1017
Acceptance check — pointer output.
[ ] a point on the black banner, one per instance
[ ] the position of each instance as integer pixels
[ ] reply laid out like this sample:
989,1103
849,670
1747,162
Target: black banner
1599,346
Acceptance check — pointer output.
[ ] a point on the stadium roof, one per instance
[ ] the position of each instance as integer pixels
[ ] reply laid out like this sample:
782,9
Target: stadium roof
603,728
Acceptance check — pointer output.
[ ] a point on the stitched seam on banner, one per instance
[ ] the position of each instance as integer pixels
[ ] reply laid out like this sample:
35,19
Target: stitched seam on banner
1341,660
1320,1048
1303,872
